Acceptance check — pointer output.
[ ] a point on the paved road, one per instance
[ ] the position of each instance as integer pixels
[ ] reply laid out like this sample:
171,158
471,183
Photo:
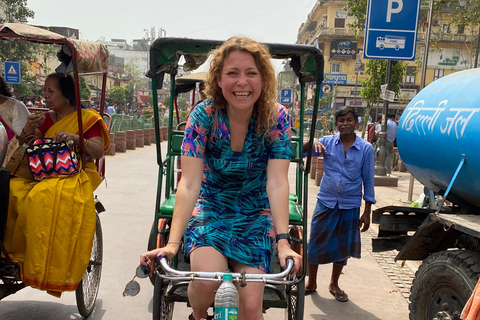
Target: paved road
128,194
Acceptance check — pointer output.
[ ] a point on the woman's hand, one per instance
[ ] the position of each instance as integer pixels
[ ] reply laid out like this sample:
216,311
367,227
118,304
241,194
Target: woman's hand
148,258
34,121
66,136
284,252
93,146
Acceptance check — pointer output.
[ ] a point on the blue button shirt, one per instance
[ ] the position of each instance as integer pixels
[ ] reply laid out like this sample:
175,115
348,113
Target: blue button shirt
391,130
343,176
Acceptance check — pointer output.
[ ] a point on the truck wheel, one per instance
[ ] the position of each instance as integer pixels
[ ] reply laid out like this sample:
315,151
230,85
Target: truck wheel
444,282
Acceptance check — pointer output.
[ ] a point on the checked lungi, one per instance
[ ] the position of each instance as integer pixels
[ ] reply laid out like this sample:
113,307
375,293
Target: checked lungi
334,235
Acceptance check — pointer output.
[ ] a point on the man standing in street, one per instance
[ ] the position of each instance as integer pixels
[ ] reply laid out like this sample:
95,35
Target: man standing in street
336,222
391,136
110,110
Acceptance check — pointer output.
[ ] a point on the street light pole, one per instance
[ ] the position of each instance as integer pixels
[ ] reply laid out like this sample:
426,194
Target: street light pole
355,94
478,44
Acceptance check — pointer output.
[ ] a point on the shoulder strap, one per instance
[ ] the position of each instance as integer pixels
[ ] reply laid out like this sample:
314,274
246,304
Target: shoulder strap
214,124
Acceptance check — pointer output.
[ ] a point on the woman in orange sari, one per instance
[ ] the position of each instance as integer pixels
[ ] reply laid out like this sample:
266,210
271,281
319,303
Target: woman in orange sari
51,223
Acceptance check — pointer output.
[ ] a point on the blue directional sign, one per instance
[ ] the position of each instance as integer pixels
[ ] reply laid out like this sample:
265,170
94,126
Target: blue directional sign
391,29
12,72
286,96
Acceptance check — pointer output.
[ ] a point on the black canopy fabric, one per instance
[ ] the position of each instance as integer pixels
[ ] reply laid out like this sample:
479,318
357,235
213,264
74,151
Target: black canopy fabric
306,61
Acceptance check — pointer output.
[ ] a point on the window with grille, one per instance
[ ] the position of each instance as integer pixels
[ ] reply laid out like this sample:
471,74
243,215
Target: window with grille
410,74
339,23
437,74
335,68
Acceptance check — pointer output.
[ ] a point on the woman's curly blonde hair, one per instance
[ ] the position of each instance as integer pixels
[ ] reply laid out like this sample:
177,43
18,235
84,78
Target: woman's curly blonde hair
265,108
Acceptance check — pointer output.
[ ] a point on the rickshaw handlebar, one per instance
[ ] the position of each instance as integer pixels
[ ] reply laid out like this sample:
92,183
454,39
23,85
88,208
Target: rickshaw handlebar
241,277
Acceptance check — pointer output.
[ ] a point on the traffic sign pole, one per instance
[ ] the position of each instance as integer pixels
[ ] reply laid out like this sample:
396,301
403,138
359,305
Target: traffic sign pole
380,169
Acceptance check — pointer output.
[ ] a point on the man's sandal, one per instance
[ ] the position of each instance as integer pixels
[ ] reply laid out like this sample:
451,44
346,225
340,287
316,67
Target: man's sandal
309,292
340,295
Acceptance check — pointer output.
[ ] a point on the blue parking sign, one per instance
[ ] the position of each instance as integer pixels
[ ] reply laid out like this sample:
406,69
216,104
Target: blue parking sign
286,96
391,29
12,72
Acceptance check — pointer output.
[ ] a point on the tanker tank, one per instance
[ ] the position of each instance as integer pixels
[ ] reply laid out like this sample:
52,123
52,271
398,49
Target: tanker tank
438,126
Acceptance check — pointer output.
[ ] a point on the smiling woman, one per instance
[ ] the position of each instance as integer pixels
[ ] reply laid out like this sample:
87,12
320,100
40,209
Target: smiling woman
235,157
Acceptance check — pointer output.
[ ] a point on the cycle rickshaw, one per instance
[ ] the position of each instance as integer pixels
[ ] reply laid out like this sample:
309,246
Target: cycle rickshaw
170,281
81,57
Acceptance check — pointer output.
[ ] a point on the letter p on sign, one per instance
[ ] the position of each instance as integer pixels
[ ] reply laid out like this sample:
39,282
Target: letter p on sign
391,10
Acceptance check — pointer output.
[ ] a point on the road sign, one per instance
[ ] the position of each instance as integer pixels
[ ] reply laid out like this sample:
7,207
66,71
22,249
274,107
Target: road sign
326,88
12,72
391,29
286,96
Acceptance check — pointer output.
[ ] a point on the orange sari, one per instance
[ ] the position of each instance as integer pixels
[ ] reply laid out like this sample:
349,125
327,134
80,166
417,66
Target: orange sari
51,223
471,311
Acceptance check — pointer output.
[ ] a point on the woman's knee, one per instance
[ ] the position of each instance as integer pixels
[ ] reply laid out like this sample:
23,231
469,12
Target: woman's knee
203,287
251,306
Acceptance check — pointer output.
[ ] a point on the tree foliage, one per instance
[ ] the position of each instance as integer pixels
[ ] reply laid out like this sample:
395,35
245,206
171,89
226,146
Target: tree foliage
117,94
135,75
85,91
182,103
15,10
130,92
377,70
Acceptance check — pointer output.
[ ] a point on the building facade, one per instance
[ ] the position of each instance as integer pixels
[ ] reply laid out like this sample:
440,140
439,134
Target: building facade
327,26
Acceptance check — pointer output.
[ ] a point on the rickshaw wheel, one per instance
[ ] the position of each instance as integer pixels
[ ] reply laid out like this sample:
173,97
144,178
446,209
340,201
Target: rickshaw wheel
158,239
296,301
87,290
296,292
162,309
296,235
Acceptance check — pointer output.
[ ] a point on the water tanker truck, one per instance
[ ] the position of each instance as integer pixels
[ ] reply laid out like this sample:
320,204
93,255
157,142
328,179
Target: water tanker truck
438,140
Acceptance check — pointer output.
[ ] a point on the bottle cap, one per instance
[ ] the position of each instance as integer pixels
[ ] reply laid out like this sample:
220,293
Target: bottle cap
227,276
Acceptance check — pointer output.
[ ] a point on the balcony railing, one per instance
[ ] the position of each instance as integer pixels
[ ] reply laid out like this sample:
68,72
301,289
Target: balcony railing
332,32
447,37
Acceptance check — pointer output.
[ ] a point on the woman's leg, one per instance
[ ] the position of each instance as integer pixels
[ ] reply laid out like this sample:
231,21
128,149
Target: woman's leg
201,293
251,296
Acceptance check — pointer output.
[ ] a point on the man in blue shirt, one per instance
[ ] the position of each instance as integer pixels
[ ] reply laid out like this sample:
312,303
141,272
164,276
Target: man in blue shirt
110,110
391,136
348,164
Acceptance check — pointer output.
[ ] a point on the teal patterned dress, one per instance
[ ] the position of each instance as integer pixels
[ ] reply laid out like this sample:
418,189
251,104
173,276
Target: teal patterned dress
232,213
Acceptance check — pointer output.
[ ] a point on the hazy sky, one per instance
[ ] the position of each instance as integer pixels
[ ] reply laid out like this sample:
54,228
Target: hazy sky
262,20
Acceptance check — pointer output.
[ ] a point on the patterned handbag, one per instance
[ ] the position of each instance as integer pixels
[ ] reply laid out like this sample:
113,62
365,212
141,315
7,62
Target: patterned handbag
48,158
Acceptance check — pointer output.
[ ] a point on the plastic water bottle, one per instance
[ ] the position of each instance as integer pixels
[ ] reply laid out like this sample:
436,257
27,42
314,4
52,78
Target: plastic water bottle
226,300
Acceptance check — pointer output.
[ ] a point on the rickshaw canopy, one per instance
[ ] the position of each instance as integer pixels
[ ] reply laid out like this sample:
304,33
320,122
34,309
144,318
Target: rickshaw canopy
188,82
306,61
88,56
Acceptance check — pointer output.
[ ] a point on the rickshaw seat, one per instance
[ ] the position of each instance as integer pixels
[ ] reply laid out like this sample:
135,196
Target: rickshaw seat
167,206
294,214
177,140
293,210
295,152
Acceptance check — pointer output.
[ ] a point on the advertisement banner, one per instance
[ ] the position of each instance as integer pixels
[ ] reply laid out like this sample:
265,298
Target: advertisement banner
343,49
